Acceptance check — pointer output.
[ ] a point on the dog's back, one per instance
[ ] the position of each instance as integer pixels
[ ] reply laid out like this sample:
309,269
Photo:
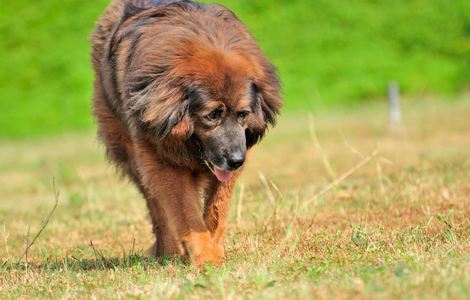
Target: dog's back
104,28
112,17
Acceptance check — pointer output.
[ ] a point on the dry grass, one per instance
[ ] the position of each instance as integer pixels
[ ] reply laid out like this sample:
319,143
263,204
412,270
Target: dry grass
397,227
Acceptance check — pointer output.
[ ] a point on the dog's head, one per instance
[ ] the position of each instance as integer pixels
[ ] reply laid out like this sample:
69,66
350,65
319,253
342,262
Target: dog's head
210,85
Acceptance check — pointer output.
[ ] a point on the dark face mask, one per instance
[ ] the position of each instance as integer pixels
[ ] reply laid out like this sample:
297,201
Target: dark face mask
224,148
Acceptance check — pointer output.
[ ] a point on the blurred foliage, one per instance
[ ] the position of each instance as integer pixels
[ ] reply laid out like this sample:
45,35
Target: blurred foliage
328,52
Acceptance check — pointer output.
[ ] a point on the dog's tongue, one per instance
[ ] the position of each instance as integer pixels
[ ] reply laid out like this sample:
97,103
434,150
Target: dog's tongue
222,176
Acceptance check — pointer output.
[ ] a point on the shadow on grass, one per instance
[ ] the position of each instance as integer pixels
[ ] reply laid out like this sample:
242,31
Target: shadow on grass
101,263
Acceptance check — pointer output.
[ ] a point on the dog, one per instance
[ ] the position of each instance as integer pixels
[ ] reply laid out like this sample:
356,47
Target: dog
182,92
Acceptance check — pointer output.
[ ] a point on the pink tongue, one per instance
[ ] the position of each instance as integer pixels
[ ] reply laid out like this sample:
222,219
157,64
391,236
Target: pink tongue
222,176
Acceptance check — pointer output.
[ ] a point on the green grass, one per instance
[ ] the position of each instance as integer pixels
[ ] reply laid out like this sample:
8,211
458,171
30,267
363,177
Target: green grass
397,228
328,52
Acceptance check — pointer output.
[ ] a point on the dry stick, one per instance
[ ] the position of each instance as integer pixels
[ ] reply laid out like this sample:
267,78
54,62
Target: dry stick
351,147
123,251
6,235
378,165
133,245
281,197
381,179
240,204
98,254
342,177
316,142
270,194
51,213
354,150
276,188
26,243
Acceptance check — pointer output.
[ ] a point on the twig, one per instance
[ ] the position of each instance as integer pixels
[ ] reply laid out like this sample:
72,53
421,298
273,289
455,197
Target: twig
342,177
26,243
51,213
353,149
270,194
123,251
98,255
133,246
276,188
381,180
6,235
316,142
240,204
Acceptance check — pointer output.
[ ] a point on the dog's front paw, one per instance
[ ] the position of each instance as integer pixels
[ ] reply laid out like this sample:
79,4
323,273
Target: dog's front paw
202,250
208,257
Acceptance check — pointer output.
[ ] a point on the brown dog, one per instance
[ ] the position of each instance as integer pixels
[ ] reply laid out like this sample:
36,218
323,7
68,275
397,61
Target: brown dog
181,92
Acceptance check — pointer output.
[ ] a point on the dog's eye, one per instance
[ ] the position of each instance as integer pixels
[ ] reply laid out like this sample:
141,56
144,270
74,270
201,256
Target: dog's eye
242,116
215,115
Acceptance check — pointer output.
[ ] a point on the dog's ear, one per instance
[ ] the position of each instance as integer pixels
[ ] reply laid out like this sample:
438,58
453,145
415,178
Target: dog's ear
161,108
267,88
266,95
174,122
254,134
183,126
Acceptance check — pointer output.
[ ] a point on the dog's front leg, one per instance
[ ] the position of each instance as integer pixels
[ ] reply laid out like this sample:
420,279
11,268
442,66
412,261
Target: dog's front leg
216,209
176,191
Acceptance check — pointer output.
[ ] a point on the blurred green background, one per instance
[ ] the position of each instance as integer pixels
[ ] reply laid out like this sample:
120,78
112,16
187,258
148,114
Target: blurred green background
329,53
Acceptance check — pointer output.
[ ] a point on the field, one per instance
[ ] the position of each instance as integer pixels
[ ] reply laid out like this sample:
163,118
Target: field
328,53
396,227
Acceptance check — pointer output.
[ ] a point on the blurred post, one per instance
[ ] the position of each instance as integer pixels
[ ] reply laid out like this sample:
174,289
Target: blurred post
394,105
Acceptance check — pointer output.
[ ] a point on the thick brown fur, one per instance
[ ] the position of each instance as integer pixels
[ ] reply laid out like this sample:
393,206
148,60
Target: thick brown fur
150,59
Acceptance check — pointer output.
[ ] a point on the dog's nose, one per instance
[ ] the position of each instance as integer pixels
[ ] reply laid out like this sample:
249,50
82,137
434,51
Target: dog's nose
236,160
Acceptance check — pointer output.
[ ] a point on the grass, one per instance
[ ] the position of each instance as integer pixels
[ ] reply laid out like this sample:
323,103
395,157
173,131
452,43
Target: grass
328,52
398,227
